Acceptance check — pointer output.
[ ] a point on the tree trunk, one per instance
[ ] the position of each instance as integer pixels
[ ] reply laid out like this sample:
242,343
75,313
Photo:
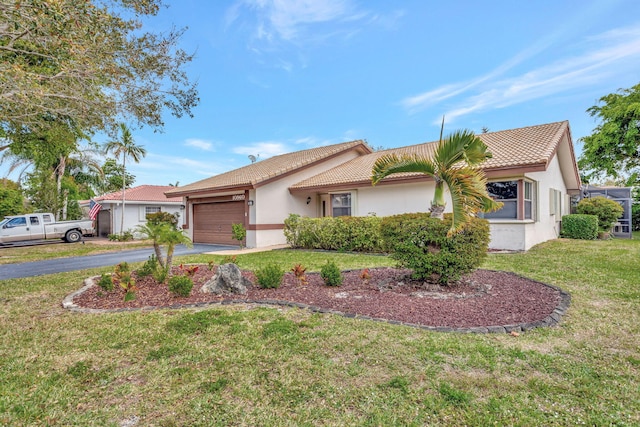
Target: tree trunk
437,211
438,203
124,186
158,251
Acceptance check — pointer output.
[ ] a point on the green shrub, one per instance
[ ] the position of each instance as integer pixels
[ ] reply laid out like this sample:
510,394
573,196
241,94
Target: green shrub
580,226
270,276
181,285
124,237
331,274
106,282
607,210
238,232
161,274
149,267
343,233
420,243
163,218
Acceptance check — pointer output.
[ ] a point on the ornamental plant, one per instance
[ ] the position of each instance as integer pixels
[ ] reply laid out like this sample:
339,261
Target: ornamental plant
299,271
423,244
239,233
181,285
331,274
608,211
270,276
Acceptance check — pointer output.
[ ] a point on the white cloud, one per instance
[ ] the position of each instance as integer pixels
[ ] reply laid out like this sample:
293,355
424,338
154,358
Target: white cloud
603,56
202,144
263,149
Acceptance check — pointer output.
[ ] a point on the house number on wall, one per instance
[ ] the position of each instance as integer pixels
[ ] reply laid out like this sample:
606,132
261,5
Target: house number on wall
237,197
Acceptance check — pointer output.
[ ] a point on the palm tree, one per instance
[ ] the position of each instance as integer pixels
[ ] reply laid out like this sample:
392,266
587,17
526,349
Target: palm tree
164,234
455,164
126,147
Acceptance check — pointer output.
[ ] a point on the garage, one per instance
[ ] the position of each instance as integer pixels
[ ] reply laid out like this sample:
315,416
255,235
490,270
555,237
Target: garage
212,221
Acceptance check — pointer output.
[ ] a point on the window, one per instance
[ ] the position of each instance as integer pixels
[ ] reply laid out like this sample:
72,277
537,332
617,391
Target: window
47,218
16,222
34,220
341,204
151,210
507,193
555,203
518,198
529,198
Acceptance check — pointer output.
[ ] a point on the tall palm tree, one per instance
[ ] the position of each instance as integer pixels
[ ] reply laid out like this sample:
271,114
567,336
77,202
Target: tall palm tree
126,147
454,163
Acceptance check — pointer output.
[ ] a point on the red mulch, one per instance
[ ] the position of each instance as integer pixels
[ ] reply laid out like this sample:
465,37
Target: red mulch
484,298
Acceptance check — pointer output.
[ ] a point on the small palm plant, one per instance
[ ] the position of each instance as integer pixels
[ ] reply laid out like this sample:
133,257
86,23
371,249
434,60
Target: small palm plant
164,234
455,163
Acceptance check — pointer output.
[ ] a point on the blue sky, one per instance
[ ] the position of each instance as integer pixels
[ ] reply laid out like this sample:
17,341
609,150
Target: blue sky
277,76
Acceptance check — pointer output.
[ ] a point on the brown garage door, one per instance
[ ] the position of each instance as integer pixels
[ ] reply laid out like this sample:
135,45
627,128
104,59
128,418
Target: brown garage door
212,222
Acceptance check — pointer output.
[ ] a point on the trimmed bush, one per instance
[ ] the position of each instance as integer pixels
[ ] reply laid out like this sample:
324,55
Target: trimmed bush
420,243
331,274
181,285
343,233
270,276
163,218
239,233
607,210
580,226
106,282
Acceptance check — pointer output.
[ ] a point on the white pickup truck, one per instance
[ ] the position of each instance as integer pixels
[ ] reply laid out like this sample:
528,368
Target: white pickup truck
41,226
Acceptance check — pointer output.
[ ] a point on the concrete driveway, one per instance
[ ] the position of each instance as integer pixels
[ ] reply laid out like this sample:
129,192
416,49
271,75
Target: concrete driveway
61,265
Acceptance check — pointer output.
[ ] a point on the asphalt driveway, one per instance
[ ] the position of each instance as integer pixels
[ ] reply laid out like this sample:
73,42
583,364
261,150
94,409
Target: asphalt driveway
61,265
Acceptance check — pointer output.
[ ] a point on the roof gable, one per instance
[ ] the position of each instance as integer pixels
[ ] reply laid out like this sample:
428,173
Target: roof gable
272,168
511,149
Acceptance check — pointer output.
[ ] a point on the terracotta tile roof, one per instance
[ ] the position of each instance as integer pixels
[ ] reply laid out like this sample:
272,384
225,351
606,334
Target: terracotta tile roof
533,145
267,169
142,193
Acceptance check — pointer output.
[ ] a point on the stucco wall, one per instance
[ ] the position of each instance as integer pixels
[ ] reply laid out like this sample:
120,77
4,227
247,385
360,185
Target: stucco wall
273,202
384,200
135,214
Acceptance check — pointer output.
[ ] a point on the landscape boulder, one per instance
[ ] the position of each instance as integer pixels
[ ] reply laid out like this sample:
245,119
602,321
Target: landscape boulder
227,280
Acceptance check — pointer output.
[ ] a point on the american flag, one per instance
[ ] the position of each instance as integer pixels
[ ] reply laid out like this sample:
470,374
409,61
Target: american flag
94,208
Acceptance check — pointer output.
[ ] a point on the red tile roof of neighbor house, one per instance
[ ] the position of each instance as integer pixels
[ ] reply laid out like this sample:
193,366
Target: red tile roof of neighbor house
142,193
514,148
270,168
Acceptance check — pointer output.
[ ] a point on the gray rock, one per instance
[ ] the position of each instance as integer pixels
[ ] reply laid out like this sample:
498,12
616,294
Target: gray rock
227,280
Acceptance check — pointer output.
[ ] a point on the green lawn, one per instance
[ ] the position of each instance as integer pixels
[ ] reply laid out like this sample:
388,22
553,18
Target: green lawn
272,366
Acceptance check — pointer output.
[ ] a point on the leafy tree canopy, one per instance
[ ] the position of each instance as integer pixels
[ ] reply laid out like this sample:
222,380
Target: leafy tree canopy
90,62
613,150
11,200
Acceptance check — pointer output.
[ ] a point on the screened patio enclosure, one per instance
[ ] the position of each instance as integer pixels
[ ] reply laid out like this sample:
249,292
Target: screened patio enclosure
622,195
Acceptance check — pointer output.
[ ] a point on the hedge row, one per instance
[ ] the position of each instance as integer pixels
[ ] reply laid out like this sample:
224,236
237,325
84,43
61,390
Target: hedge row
416,241
580,226
345,233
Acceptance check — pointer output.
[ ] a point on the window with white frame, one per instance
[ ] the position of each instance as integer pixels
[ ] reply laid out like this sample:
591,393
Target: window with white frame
517,196
555,203
149,210
341,204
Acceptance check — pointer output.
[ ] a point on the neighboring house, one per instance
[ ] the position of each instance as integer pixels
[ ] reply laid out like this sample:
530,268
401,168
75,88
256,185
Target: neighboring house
533,172
139,201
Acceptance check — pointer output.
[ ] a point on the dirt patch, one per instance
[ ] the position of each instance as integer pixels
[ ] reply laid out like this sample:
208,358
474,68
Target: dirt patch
482,299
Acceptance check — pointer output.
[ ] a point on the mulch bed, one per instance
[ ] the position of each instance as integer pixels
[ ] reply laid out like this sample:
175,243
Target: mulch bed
482,299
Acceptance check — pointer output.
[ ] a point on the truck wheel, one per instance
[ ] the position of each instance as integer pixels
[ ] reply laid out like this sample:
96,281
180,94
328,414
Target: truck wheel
73,236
